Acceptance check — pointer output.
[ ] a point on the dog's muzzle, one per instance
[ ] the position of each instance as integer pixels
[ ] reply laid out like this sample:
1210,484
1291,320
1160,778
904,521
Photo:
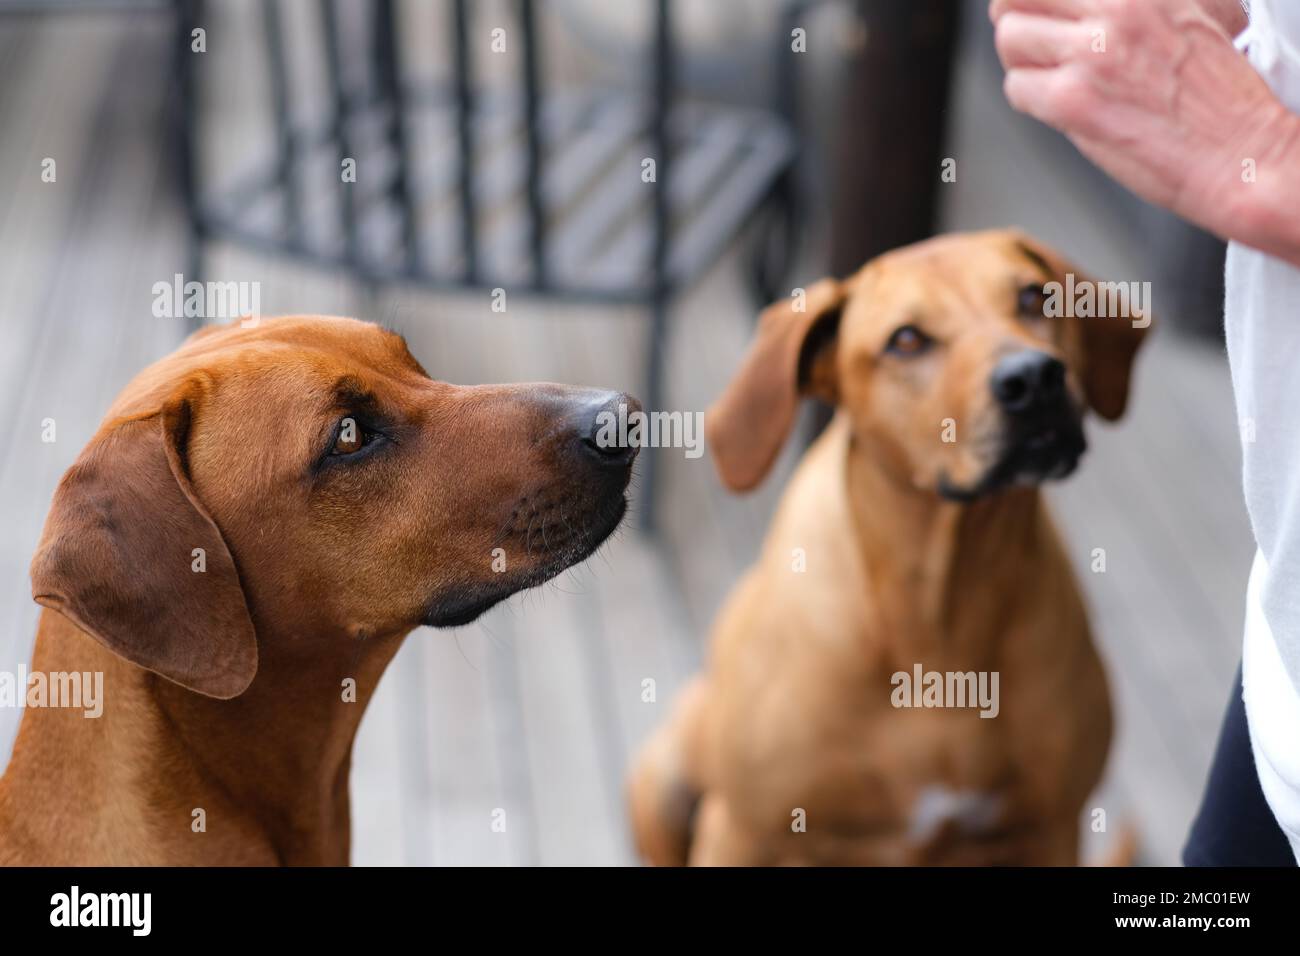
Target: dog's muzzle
564,520
1043,431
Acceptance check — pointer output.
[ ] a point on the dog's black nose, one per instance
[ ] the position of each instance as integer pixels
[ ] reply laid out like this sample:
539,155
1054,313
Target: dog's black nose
609,428
1027,380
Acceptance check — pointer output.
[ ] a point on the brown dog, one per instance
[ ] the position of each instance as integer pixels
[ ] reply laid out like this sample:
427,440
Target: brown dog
241,548
911,539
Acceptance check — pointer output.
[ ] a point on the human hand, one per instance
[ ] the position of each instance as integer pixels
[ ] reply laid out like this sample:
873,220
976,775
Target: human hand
1154,93
1229,14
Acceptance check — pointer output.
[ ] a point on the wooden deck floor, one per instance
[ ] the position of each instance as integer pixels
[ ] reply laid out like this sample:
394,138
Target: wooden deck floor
536,709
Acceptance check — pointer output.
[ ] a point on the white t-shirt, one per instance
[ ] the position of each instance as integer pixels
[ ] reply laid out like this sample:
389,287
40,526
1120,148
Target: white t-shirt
1262,321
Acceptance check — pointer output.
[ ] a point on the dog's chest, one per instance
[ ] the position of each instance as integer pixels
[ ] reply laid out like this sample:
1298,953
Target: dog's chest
898,785
938,809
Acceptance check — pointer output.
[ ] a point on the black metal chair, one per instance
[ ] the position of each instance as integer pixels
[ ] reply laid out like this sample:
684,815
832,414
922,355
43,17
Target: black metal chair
560,174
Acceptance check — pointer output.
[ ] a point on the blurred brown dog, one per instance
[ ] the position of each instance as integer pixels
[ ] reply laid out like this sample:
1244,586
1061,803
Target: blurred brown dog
928,551
260,520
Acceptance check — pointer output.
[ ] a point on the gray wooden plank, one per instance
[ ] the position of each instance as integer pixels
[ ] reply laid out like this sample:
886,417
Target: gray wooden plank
1167,612
76,292
564,719
477,740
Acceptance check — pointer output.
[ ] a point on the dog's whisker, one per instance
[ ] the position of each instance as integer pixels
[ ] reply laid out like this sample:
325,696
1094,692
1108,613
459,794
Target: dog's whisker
463,655
528,535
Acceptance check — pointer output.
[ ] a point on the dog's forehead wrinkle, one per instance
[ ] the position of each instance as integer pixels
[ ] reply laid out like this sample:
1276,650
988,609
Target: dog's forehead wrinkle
904,299
319,384
350,391
1039,261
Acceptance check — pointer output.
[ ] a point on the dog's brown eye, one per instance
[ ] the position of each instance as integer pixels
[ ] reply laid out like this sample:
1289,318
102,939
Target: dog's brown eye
1031,302
351,438
907,340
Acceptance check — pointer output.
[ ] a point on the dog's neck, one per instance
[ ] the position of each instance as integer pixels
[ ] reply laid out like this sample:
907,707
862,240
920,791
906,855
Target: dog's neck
950,567
269,769
293,729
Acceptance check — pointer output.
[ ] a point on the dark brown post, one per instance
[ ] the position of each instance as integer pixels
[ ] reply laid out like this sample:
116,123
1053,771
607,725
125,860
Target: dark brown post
891,123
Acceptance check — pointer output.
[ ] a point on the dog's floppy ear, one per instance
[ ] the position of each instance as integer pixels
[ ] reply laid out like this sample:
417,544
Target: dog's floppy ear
118,558
792,355
1109,344
1109,347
